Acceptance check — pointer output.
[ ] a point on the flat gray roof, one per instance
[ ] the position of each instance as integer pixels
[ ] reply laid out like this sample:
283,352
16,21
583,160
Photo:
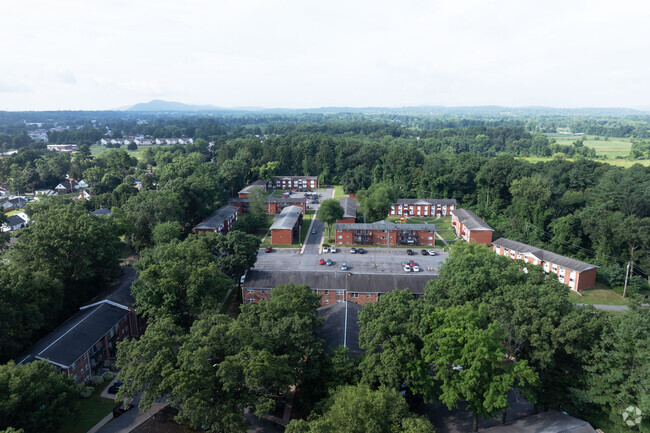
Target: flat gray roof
544,255
339,280
384,225
287,219
349,206
470,220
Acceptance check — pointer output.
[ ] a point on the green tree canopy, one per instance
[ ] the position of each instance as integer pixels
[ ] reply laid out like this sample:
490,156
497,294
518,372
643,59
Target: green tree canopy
330,211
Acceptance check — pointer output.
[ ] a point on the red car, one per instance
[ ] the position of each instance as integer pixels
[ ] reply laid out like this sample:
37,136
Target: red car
268,249
411,263
321,261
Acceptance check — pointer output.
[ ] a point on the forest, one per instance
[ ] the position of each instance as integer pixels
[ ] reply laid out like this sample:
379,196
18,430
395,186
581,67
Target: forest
565,356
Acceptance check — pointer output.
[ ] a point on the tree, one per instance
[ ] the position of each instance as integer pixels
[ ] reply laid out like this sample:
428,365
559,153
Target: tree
234,253
375,202
465,357
166,232
179,280
268,170
391,337
258,207
147,209
359,409
34,396
330,211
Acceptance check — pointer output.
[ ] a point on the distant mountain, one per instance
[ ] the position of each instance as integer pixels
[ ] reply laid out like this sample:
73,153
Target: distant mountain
160,105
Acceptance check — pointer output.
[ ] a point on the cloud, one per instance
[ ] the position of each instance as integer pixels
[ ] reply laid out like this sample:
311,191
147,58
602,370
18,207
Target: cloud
13,87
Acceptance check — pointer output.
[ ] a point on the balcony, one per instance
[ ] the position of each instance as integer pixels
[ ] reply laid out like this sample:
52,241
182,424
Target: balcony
362,240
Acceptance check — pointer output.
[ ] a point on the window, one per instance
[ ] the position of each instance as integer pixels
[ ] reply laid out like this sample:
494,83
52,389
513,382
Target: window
338,301
354,295
263,291
249,290
85,355
340,236
367,295
339,292
250,300
327,301
430,238
327,292
74,364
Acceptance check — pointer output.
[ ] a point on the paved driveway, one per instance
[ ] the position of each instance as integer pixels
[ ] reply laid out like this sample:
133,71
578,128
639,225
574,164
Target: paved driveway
313,241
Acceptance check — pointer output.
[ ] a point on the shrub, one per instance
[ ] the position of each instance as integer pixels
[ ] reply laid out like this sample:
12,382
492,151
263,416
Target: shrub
108,376
326,244
86,391
97,380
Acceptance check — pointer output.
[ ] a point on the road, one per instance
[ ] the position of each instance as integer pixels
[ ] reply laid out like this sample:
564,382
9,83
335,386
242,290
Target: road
313,241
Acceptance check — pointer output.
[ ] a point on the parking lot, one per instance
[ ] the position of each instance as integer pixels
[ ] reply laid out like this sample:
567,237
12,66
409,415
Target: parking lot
375,260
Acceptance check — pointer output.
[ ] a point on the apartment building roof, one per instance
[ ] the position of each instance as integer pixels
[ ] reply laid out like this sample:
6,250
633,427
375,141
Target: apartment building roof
470,220
338,280
334,327
295,177
384,225
289,199
349,207
544,255
287,219
431,201
257,184
549,422
217,218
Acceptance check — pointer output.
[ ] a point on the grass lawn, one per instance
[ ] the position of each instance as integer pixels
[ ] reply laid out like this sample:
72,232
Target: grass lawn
13,212
97,149
88,412
338,192
415,220
600,294
611,148
616,162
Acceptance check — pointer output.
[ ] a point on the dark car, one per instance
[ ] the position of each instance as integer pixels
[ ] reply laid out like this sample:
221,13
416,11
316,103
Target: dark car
268,249
121,408
409,252
361,251
353,250
424,253
115,387
329,262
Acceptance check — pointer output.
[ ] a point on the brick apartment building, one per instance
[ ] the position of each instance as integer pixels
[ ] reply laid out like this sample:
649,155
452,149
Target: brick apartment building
349,206
244,192
221,221
422,207
470,228
574,273
334,286
82,345
285,226
385,233
277,204
293,182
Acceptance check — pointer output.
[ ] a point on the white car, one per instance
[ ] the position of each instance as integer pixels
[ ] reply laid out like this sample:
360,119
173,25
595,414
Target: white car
332,249
431,252
416,268
326,250
406,268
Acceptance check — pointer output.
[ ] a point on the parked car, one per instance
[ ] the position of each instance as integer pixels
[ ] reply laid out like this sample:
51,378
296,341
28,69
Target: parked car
326,249
313,231
424,253
332,249
353,250
406,268
411,263
115,387
268,249
409,252
361,251
431,252
405,263
344,266
121,409
329,262
416,268
321,261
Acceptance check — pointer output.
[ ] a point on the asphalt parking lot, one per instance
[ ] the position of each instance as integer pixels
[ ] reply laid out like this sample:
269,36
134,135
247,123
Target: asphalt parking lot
376,260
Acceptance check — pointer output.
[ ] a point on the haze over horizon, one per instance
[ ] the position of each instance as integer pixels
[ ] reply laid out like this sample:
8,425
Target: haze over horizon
93,55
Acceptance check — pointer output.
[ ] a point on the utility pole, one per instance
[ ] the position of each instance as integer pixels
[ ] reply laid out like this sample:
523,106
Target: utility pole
627,271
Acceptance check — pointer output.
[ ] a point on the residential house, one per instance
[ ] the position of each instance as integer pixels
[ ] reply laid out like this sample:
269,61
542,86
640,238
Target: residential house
349,206
385,233
68,186
286,225
333,287
15,222
83,195
422,207
574,273
83,345
294,182
14,203
221,221
470,228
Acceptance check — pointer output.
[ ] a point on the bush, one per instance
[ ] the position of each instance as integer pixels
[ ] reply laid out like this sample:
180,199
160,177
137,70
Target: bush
108,376
97,380
326,244
132,146
86,391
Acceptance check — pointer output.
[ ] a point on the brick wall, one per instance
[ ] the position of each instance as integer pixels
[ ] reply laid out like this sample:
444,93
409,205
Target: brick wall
483,237
281,236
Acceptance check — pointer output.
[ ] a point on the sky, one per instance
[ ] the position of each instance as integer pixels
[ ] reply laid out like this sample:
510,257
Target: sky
95,55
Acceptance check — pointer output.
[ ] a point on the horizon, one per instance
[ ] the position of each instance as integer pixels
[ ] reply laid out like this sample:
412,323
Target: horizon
95,56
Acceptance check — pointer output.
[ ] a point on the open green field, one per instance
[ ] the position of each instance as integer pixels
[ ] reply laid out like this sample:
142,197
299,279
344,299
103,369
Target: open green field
443,225
616,162
600,294
611,148
97,149
338,192
88,412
